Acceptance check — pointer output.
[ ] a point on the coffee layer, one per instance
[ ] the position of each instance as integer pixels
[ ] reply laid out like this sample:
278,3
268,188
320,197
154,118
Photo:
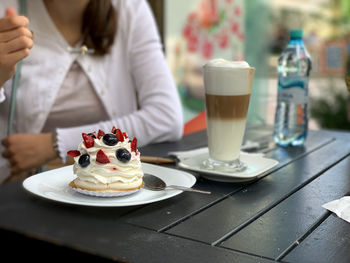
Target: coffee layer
227,107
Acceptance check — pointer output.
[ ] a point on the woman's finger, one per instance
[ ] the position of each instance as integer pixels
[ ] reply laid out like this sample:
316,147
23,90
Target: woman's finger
13,34
5,142
17,44
12,162
12,22
6,154
10,11
14,57
16,170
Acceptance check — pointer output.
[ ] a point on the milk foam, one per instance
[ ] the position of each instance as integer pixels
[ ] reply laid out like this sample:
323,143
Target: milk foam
228,78
219,62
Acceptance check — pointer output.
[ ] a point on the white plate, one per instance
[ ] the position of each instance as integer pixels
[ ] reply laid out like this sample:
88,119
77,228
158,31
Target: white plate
102,194
257,165
53,185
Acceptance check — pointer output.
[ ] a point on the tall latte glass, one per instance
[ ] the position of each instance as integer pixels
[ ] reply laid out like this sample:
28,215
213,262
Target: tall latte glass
228,86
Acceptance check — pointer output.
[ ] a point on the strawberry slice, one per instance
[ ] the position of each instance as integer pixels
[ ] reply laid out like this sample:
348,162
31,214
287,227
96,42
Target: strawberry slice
73,153
134,145
114,129
101,157
125,135
100,134
88,140
119,135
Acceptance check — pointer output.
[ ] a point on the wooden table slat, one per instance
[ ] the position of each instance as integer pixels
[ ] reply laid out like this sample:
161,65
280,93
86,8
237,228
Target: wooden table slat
99,233
259,197
330,242
163,215
292,218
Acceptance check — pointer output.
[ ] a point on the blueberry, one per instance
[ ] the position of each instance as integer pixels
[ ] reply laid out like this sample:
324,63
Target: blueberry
123,155
92,135
84,160
110,139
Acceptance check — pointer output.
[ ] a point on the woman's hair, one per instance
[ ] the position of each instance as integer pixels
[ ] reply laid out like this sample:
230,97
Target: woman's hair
99,26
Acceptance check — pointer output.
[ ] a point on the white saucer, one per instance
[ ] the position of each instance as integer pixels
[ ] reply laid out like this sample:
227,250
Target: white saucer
256,165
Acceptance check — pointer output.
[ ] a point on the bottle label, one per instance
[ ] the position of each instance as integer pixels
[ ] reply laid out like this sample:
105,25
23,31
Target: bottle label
293,91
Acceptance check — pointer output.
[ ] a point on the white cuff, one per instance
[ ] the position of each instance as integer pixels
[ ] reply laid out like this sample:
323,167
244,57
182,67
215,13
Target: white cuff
61,150
2,94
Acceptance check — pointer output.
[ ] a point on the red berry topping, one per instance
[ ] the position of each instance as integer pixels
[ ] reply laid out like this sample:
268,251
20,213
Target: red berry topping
125,135
73,153
100,134
88,140
114,129
134,145
101,157
119,135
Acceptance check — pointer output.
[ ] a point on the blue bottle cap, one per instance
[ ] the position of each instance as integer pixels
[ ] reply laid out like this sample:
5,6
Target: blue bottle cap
296,34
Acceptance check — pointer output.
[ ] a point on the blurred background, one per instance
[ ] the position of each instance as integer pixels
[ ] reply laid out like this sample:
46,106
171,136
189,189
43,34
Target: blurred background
194,31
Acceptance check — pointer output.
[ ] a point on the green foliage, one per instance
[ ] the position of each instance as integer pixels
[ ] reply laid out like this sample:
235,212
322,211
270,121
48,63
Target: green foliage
331,112
346,8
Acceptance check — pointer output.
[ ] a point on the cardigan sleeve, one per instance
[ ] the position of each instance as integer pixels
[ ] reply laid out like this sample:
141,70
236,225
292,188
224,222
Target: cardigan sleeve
159,115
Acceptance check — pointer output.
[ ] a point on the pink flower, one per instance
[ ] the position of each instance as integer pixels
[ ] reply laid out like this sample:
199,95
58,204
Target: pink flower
207,49
187,31
192,17
192,43
223,42
237,11
222,38
234,27
208,13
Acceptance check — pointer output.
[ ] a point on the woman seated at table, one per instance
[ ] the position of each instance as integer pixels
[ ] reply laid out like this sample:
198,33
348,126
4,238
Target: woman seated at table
124,83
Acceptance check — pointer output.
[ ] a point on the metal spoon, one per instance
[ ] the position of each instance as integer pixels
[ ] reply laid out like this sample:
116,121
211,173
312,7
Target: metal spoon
156,184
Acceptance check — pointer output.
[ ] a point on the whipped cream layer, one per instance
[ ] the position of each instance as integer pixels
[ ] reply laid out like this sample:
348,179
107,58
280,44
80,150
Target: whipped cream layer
115,172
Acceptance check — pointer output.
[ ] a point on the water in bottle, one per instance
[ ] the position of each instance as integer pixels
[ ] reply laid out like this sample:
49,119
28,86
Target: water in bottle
291,117
347,76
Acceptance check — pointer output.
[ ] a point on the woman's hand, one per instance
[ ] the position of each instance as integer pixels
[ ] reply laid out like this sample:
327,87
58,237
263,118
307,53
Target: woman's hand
16,40
28,151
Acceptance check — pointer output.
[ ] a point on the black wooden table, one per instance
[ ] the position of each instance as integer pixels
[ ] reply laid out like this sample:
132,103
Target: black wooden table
277,217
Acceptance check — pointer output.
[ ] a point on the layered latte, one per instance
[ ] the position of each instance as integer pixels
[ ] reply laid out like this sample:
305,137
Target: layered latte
228,86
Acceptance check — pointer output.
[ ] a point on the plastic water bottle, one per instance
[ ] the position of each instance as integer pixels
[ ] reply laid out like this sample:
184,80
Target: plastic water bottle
291,118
